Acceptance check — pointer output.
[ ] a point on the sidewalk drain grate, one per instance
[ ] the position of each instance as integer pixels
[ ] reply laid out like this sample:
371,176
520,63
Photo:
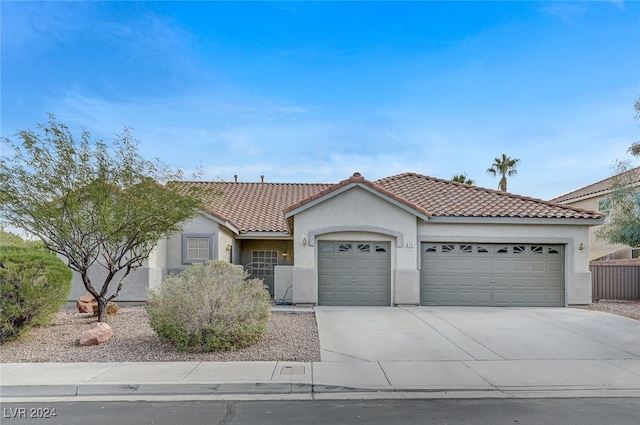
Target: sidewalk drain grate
292,370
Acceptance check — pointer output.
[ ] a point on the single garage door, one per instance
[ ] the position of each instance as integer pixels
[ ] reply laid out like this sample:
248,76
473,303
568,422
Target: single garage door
469,274
354,273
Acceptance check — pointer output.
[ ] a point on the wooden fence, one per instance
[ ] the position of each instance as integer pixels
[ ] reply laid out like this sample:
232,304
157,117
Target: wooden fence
615,281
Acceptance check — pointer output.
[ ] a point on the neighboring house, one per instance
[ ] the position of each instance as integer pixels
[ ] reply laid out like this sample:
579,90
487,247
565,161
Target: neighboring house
596,197
402,240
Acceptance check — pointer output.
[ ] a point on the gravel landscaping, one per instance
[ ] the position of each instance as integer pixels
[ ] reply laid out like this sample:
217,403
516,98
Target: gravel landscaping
621,308
289,337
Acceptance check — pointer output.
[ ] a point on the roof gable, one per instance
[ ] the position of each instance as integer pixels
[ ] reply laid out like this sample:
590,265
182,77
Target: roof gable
356,181
596,189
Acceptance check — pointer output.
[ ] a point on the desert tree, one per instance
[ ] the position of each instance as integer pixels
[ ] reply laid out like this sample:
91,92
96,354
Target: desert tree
96,204
622,225
504,166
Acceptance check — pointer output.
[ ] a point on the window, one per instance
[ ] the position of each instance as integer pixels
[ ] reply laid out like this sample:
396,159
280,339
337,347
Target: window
327,248
448,248
345,247
380,248
364,247
197,248
536,249
604,205
482,250
466,248
268,257
519,249
430,248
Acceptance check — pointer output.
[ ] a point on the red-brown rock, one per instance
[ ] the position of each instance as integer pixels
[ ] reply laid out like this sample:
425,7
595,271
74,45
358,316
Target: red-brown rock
85,303
99,333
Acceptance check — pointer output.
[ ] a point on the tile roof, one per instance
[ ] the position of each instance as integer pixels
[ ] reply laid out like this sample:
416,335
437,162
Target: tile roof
357,178
261,207
596,188
254,207
446,198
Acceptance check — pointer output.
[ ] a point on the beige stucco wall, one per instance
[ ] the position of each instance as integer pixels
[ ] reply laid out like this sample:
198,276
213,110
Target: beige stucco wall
596,245
577,275
356,215
198,225
359,215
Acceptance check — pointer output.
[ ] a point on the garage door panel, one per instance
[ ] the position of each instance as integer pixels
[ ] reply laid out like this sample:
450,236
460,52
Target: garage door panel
381,264
361,273
466,264
536,282
492,274
519,266
363,296
382,298
483,265
502,266
343,263
326,263
343,296
554,266
538,266
344,279
554,283
327,296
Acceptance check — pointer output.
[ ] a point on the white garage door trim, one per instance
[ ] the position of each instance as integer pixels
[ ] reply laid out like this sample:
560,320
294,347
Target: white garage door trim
354,273
492,274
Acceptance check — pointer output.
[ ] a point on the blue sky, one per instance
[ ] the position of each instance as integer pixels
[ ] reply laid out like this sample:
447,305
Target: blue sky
312,92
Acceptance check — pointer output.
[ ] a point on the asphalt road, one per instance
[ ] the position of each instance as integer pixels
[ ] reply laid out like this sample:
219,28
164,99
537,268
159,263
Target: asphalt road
584,411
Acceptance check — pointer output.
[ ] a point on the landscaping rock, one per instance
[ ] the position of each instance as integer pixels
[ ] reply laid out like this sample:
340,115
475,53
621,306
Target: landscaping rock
98,334
85,303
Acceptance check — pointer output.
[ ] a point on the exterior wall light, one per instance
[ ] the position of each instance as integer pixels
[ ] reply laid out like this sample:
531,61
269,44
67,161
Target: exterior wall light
581,247
304,241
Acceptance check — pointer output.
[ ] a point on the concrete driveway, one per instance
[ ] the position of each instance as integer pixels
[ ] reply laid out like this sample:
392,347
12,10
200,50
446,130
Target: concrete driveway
479,348
474,333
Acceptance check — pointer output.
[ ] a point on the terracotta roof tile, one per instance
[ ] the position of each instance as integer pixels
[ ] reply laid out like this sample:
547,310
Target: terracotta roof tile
595,188
357,178
261,207
445,198
254,207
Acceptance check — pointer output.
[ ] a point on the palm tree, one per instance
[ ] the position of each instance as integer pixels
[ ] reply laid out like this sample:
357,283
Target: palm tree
505,166
462,178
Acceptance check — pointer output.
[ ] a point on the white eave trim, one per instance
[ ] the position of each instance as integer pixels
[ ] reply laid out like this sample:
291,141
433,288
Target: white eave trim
265,235
224,223
362,186
519,220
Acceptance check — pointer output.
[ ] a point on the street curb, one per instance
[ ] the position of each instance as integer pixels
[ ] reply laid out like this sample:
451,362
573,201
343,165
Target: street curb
233,389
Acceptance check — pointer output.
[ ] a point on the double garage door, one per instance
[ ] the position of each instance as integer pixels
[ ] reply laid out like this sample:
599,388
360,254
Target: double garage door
354,273
457,274
469,274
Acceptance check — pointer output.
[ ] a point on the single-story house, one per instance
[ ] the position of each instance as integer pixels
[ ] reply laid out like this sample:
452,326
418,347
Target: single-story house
408,239
596,197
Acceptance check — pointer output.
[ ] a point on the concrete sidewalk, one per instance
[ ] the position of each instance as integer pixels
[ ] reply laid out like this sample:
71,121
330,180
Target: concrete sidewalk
520,378
442,351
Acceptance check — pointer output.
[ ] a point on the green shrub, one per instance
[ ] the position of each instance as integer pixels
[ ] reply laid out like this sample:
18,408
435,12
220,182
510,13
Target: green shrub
34,285
210,307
